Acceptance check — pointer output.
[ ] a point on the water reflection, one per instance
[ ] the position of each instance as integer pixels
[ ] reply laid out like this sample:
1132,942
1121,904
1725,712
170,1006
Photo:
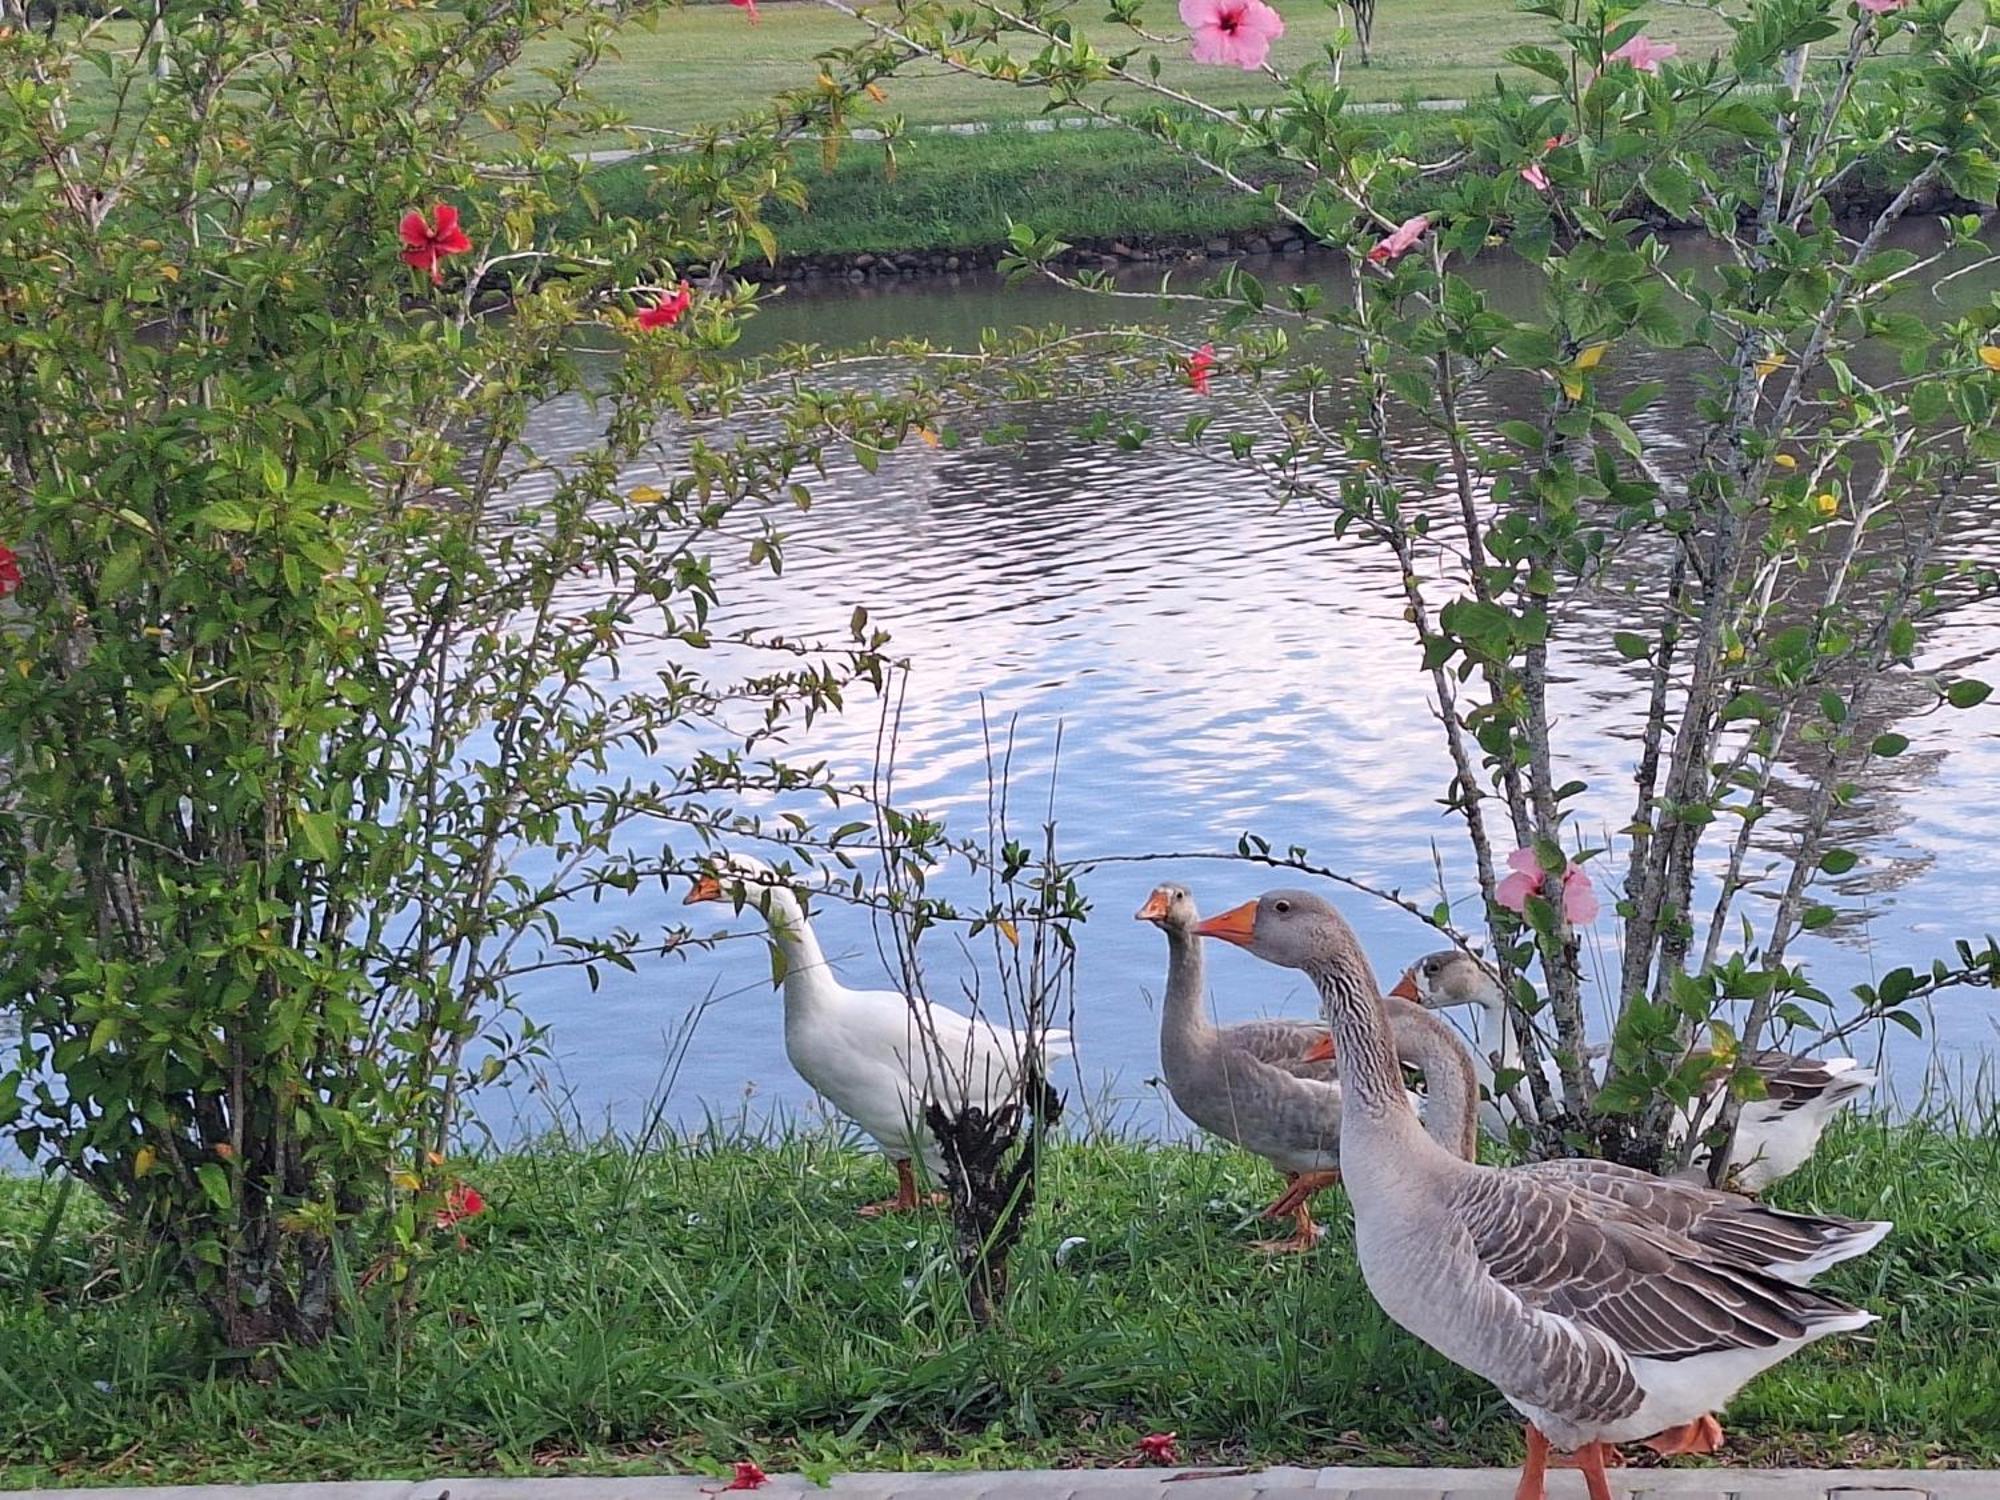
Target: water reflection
1214,664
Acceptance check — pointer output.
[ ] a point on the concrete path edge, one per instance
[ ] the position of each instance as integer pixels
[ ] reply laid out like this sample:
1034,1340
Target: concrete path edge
1127,1484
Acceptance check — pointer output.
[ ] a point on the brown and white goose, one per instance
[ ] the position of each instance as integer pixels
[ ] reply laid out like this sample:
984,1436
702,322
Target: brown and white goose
1597,1318
1251,1082
1775,1135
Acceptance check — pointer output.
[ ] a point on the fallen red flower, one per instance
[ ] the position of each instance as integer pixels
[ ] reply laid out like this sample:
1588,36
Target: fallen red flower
747,1476
428,241
10,571
460,1202
1159,1448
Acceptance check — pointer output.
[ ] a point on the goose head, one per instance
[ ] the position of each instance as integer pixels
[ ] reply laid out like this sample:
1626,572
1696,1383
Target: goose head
1292,929
1171,909
736,878
1448,979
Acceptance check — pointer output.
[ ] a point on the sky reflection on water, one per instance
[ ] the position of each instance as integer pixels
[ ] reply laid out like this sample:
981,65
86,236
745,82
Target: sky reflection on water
1213,665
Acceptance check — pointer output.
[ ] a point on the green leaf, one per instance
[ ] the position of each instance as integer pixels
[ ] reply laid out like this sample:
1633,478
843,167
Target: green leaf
1887,745
1631,646
1967,692
215,1183
322,835
1817,917
1838,861
227,515
121,570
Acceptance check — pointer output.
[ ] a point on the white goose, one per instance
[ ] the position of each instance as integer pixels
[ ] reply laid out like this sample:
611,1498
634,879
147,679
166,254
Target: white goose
877,1056
1775,1135
1597,1318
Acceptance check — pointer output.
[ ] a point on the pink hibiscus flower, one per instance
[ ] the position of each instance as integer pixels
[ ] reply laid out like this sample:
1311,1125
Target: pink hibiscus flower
1535,177
1232,33
1644,53
1400,241
1881,7
10,571
1579,900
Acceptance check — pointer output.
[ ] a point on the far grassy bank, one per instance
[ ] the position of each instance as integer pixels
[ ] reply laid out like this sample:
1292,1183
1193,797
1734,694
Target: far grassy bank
960,192
684,1308
1099,188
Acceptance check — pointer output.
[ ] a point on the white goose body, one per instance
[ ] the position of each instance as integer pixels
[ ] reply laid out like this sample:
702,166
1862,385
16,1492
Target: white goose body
1597,1318
1775,1135
876,1056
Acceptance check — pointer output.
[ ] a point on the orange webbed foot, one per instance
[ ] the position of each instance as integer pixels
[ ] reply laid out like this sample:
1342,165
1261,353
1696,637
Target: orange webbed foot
1702,1435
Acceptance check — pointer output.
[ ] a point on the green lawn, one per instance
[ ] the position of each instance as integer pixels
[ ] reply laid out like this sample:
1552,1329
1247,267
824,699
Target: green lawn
707,62
685,1308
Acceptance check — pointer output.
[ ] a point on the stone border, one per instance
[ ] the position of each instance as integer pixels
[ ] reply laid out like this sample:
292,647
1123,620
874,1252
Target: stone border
1132,1484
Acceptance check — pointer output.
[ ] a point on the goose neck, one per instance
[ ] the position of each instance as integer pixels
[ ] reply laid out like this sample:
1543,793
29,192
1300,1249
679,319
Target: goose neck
1374,1109
804,964
1451,1082
1183,1021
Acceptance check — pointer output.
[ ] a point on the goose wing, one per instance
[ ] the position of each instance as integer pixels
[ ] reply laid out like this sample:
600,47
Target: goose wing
1283,1044
1793,1247
1605,1266
1794,1083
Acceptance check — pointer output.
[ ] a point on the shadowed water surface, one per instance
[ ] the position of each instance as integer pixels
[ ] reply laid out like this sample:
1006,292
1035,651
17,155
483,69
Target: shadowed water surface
1214,664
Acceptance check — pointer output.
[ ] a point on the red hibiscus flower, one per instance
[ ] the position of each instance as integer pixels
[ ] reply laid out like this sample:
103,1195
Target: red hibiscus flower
10,571
428,241
460,1202
1158,1448
667,311
1200,364
749,5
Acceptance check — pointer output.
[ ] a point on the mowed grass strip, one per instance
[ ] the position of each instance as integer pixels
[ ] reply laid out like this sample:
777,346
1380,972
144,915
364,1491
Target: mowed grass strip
706,63
686,1307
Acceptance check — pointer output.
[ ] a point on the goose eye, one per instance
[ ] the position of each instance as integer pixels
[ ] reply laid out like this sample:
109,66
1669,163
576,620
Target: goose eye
1281,907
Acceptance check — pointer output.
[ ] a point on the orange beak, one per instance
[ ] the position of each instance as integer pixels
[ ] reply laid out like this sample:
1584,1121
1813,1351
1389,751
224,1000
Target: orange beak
706,888
1155,909
1406,988
1320,1051
1238,925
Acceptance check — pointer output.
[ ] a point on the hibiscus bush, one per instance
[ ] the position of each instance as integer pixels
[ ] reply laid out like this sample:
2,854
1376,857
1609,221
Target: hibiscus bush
311,715
1775,539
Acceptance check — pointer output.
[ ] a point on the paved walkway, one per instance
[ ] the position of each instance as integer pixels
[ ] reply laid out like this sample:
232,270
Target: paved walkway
1143,1484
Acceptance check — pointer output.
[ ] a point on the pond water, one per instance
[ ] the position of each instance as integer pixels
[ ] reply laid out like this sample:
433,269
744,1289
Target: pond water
1212,664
